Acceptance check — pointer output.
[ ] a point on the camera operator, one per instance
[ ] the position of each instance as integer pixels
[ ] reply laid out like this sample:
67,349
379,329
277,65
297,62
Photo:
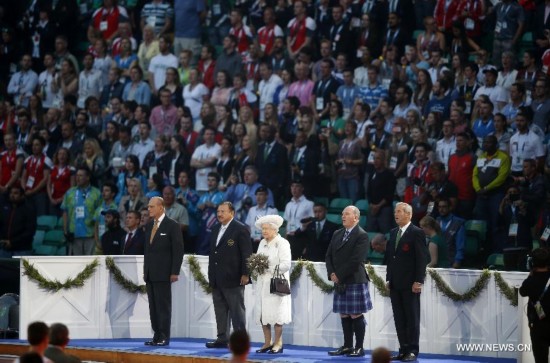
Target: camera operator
536,288
515,220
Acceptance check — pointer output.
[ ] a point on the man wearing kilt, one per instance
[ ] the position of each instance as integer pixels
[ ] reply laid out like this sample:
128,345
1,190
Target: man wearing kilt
345,268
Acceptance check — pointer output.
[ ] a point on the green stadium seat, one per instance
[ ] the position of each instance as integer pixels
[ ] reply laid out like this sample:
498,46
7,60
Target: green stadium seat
54,238
417,33
496,261
335,218
363,221
476,228
321,200
59,224
375,258
363,206
337,205
46,223
38,239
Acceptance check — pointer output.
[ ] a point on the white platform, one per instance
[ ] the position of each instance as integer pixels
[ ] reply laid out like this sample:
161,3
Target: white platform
101,309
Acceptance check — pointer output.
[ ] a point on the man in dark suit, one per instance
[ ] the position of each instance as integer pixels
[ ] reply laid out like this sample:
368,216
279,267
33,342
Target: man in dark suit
113,238
134,240
316,234
230,246
272,164
406,258
161,267
304,163
345,267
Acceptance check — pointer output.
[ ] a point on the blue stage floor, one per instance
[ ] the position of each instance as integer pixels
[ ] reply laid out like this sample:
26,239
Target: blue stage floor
292,353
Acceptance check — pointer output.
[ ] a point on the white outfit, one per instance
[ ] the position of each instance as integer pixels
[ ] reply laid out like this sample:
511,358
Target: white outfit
193,98
270,308
203,152
158,66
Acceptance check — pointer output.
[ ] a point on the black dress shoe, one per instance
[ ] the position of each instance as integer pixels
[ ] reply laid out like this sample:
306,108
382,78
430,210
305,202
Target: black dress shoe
264,350
276,350
398,356
216,344
161,343
357,352
409,357
340,351
150,342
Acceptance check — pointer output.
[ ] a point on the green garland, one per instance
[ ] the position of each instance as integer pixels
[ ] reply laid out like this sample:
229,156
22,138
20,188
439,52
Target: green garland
197,274
53,286
469,295
510,293
317,280
297,271
377,281
121,279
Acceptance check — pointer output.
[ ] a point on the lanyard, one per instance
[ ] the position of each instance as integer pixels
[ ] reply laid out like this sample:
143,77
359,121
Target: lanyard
323,88
388,34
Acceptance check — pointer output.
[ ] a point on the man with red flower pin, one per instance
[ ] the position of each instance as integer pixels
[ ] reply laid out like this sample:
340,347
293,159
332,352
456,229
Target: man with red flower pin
406,258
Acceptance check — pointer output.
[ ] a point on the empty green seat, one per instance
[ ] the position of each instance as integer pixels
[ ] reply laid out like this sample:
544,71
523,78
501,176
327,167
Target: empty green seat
46,223
337,205
363,206
54,238
335,218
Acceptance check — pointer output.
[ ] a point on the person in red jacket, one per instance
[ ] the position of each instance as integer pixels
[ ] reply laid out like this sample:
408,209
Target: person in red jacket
461,169
445,13
206,66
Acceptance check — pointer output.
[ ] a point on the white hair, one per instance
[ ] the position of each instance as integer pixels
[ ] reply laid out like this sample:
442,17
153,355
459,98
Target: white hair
355,210
406,207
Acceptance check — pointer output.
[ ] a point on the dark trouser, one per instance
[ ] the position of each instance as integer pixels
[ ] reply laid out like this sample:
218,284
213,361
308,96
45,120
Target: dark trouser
487,209
464,208
382,222
160,308
406,314
229,307
540,339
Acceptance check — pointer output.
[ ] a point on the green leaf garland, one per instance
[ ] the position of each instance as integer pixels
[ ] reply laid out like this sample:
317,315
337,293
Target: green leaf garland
317,280
469,295
53,286
198,275
377,281
510,293
297,271
121,279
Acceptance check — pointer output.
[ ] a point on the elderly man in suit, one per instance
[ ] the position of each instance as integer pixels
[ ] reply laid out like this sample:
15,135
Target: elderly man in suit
161,267
230,246
345,255
316,234
406,258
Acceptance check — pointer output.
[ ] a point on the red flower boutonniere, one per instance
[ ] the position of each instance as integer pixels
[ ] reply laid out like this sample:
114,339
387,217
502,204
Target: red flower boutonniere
406,247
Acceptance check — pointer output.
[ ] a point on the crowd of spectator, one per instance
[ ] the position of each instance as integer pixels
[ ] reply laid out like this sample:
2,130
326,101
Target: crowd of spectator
275,105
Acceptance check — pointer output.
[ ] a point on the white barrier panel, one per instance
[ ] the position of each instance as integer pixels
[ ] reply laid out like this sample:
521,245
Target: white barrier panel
102,309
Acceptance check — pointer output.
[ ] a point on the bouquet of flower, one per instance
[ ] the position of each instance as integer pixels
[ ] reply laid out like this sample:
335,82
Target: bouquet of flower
257,264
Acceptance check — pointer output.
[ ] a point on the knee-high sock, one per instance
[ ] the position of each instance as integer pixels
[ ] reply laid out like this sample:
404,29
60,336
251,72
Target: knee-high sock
347,327
359,329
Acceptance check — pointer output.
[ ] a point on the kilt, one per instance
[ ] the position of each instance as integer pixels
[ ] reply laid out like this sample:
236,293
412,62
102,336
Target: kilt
355,300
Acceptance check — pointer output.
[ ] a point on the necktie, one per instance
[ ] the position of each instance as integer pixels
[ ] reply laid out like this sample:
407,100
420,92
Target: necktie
266,151
153,231
318,230
346,234
399,234
128,239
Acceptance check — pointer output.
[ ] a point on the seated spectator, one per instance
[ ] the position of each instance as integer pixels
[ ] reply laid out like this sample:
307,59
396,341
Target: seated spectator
437,246
59,339
17,224
317,233
38,338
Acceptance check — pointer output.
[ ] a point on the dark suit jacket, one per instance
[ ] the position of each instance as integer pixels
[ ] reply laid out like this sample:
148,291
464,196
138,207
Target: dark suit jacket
540,25
58,356
227,261
345,258
164,256
135,246
273,172
316,248
407,264
309,164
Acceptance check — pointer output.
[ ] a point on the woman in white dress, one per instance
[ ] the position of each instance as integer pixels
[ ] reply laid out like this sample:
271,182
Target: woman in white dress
271,309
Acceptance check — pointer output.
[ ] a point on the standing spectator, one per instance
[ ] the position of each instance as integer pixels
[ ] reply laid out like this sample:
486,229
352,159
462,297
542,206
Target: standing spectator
134,200
17,224
405,275
35,176
440,187
437,245
516,222
508,29
452,228
496,93
148,49
144,144
108,194
300,30
11,163
189,199
23,83
79,206
206,212
205,158
187,26
160,63
186,130
446,146
112,241
317,234
272,309
268,32
240,31
461,166
112,90
323,90
272,163
380,191
349,162
228,273
541,103
62,53
303,86
195,93
59,339
267,87
517,99
262,208
89,81
525,144
107,18
418,179
374,92
207,64
243,195
484,125
174,210
229,59
297,209
159,15
218,16
440,103
60,180
164,116
344,262
45,83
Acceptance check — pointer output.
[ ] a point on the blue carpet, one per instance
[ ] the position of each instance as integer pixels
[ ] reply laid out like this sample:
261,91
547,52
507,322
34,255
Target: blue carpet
292,353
